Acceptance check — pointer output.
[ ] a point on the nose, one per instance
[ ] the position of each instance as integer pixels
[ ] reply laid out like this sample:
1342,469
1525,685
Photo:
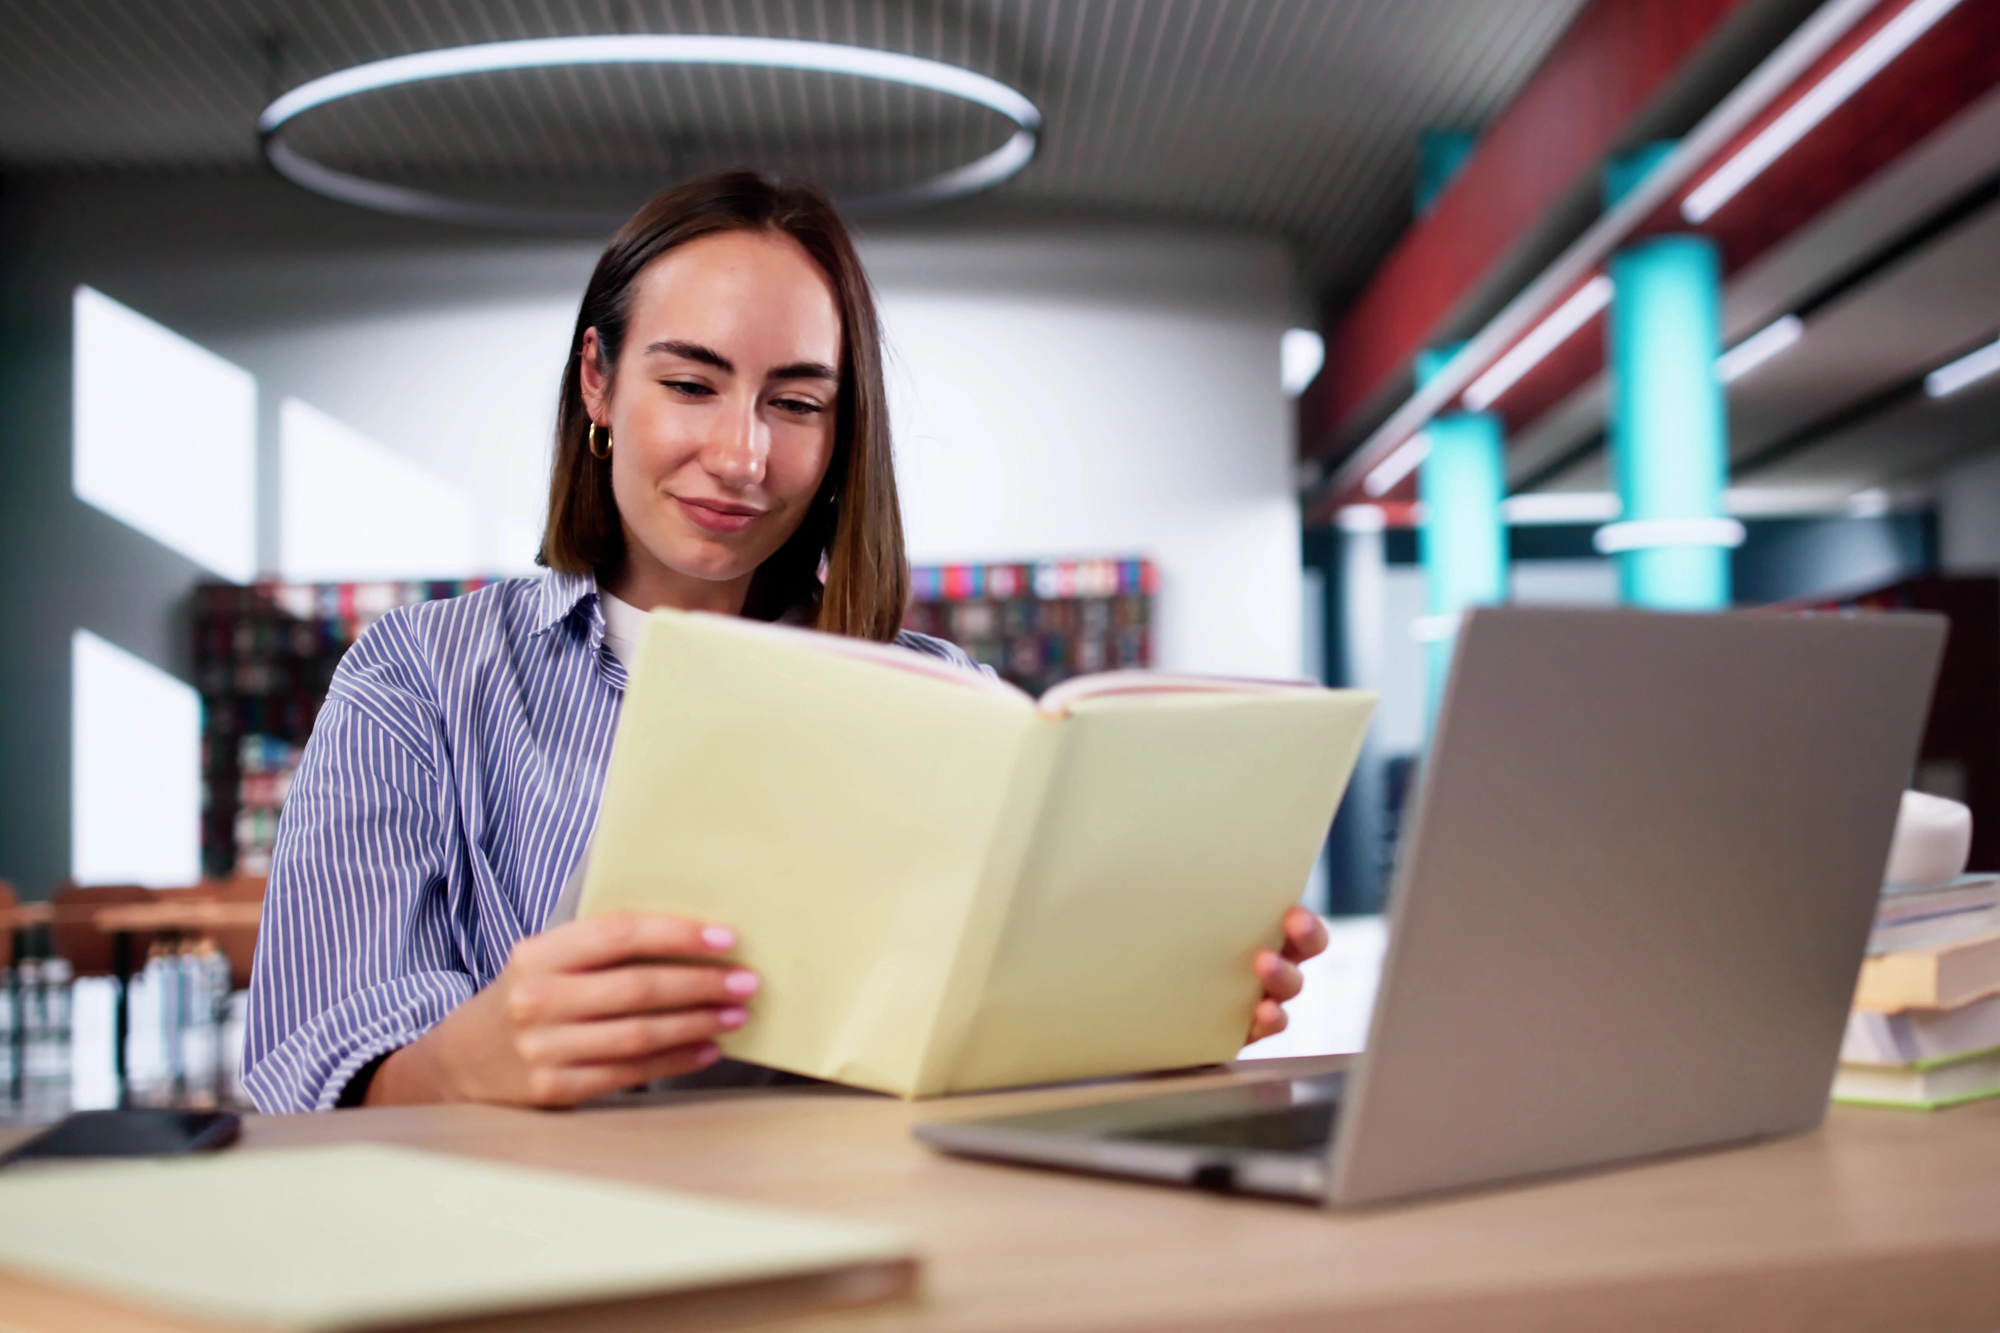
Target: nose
739,448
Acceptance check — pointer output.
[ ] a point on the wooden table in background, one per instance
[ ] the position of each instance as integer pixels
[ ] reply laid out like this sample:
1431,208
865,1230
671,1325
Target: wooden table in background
1882,1220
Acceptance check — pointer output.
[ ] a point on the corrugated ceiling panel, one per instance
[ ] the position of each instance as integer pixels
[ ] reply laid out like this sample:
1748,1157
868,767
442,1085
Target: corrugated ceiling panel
1296,117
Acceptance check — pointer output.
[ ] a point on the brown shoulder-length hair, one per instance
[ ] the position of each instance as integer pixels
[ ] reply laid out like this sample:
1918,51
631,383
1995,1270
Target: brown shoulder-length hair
854,522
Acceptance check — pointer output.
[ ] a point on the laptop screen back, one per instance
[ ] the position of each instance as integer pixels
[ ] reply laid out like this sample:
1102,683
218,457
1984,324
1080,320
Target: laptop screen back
1630,909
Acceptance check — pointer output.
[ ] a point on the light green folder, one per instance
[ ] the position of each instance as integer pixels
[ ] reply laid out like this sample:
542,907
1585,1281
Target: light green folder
364,1236
947,886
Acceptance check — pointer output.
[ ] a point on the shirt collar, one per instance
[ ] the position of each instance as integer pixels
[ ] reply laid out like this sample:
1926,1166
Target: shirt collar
561,595
566,595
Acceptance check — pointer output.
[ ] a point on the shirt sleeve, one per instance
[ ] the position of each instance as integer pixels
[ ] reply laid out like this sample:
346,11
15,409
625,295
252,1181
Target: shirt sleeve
358,952
943,649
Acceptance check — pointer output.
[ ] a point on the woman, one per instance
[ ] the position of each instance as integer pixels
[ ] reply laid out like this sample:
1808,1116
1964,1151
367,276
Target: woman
722,439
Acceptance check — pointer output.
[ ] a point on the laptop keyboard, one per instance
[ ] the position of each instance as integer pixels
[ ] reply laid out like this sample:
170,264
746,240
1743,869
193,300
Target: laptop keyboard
1303,1127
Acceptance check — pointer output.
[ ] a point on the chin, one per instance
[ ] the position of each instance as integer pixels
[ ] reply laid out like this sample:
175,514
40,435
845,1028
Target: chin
710,560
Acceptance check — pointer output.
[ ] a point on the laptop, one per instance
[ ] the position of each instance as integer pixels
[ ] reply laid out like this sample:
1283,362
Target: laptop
1626,919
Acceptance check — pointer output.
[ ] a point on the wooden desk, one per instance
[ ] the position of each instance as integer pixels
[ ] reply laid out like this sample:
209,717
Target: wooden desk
1882,1220
202,915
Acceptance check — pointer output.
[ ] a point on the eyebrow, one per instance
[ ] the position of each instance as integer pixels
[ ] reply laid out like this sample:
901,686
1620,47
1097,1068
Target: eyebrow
708,356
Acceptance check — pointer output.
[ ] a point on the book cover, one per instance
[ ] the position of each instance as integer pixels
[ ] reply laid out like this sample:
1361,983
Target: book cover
946,886
363,1236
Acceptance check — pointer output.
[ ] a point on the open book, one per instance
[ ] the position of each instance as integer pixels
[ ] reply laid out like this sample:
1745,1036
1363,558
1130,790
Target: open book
947,885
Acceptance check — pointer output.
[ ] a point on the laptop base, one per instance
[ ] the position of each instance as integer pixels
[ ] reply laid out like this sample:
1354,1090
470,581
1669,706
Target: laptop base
1267,1138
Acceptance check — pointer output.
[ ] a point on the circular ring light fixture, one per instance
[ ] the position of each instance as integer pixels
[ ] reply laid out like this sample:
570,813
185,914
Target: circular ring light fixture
638,49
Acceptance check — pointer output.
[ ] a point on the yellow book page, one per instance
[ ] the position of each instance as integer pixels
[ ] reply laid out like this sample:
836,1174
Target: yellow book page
362,1235
1177,829
835,814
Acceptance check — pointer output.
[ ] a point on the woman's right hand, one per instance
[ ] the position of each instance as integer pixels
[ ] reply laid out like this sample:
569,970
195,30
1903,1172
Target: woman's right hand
581,1010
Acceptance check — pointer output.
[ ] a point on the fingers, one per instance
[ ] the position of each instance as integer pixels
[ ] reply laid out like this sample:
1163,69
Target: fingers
601,941
568,997
624,1040
1282,980
1305,935
1267,1020
566,1085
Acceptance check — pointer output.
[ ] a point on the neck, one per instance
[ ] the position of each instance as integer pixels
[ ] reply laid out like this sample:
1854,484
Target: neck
649,585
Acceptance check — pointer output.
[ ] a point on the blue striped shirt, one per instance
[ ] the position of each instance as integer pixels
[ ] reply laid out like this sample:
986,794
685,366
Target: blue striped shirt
449,788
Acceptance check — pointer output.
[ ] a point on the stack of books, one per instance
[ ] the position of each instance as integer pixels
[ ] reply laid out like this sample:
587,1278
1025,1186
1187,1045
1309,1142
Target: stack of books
1925,1031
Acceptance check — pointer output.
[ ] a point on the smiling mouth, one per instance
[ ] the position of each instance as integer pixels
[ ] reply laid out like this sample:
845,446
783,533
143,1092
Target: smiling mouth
718,515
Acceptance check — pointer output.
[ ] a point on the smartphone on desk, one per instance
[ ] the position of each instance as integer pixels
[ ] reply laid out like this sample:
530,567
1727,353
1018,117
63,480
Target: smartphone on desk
135,1133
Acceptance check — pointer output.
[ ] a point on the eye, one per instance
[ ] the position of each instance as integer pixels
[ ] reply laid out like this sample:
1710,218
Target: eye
798,407
689,388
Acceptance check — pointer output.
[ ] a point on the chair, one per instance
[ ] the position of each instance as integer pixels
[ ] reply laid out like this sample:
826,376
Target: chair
77,938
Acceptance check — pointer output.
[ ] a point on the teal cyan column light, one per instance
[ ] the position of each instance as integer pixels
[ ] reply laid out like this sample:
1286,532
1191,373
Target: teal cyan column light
1669,429
1441,155
1463,539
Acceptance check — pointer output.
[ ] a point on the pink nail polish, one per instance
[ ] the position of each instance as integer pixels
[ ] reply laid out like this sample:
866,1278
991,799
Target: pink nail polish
731,1019
740,983
707,1056
718,937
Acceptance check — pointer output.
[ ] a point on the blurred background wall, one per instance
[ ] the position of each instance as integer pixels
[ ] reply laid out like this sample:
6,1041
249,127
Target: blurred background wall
405,384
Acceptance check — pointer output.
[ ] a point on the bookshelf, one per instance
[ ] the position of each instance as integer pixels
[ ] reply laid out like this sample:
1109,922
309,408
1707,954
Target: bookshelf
1039,623
264,656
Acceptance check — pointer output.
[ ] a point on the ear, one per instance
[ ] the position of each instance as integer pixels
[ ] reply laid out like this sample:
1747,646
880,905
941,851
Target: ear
595,384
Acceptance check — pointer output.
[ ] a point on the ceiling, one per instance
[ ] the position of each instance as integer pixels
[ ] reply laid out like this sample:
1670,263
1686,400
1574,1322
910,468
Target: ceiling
1298,118
1909,268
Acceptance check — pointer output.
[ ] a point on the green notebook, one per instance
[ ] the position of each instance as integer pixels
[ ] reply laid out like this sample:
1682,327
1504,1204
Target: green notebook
364,1236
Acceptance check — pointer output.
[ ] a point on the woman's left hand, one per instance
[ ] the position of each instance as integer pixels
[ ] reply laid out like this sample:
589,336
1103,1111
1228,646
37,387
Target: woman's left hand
1305,936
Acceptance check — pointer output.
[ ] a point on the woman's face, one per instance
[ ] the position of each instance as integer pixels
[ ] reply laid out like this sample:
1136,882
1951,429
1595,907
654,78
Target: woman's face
721,413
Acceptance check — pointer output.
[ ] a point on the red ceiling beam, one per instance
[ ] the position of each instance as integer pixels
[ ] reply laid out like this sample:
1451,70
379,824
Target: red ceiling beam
1945,71
1614,59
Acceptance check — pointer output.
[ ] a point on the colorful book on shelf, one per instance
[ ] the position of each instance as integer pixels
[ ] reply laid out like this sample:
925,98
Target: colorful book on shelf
1922,1085
949,885
362,1236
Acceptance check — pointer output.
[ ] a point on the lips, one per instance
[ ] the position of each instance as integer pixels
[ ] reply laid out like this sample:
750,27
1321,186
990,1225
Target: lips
718,515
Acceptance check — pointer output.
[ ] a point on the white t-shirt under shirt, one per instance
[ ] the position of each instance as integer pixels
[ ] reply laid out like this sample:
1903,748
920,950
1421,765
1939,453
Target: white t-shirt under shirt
623,623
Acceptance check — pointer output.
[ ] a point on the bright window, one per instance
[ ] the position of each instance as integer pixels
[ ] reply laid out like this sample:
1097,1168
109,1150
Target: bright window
135,769
165,436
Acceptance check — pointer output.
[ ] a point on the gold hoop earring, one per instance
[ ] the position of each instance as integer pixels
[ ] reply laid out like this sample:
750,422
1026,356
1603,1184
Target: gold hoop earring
590,440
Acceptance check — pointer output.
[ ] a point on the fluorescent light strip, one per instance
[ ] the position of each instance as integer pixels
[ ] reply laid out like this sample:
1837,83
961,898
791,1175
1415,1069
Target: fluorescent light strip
1758,348
1968,369
1544,338
642,49
1540,507
1645,534
1799,119
1871,503
1398,465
